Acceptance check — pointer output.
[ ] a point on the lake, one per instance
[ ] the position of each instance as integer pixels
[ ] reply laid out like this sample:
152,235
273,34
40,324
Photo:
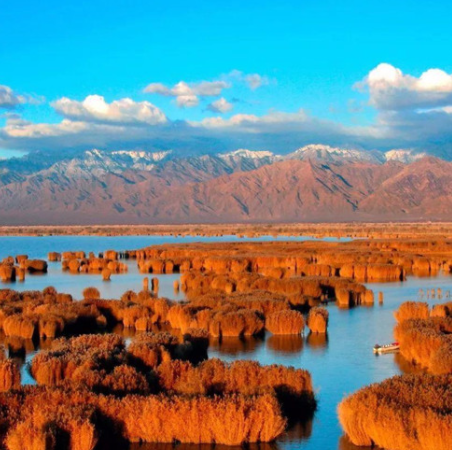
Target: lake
340,363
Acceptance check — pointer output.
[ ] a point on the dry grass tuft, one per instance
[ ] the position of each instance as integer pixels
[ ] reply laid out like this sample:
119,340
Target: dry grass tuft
91,293
293,387
318,320
409,412
412,310
285,322
427,342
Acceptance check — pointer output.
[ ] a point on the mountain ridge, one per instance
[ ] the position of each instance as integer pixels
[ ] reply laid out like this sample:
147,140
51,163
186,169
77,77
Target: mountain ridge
242,186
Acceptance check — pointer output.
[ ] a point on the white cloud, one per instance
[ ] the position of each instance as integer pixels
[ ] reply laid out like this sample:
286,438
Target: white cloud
187,94
187,101
279,131
252,122
220,106
124,111
24,129
255,80
10,99
390,89
412,112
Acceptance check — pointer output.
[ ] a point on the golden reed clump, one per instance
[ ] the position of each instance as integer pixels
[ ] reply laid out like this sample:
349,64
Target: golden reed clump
285,322
318,320
293,387
262,301
409,412
102,363
443,310
140,311
96,361
41,427
106,274
9,373
86,417
299,291
425,336
53,256
46,314
150,349
427,342
412,310
91,293
366,260
227,320
89,381
77,262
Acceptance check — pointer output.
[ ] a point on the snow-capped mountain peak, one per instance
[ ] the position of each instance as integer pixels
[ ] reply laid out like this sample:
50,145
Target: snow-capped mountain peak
245,153
404,155
335,154
141,154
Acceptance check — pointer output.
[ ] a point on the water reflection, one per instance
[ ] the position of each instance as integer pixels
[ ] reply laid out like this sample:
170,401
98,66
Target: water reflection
150,446
318,341
299,430
345,444
233,346
285,343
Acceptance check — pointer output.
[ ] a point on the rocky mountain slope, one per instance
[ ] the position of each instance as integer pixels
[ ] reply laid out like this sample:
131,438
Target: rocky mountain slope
315,183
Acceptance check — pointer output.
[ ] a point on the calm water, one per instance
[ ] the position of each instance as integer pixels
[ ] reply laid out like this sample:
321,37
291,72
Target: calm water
340,363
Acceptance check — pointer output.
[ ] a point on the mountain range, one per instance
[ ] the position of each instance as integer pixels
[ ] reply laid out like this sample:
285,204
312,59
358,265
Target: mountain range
314,183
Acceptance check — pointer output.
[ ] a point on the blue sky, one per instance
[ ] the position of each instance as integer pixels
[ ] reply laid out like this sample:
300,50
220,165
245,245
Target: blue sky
309,56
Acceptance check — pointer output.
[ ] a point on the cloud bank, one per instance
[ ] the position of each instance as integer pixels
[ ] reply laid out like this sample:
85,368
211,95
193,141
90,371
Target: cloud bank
10,99
412,111
187,94
221,106
391,89
94,108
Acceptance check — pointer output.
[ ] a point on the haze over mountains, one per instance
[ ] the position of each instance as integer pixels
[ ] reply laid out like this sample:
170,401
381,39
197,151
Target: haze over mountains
314,183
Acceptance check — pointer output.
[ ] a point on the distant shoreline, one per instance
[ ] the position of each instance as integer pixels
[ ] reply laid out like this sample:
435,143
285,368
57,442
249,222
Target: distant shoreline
320,230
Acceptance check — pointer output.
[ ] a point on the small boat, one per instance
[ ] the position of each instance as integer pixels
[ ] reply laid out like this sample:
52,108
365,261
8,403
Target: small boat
387,348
